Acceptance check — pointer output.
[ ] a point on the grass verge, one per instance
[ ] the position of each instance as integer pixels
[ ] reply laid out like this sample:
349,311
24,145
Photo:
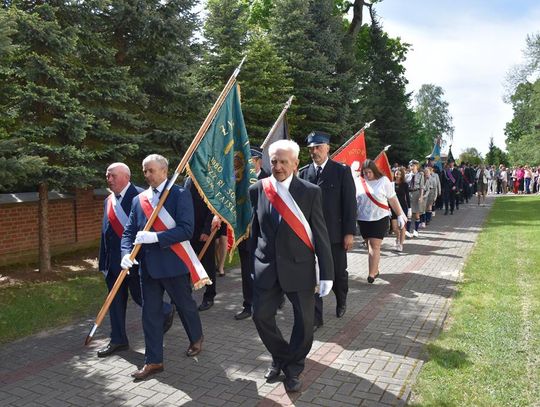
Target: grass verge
31,307
489,355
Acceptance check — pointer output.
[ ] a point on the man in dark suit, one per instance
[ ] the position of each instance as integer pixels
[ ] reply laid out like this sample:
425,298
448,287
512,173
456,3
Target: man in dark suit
205,222
451,183
243,247
115,215
288,232
339,208
161,267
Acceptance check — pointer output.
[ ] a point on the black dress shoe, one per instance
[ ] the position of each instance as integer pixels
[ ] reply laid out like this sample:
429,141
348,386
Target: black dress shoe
195,348
111,348
317,326
243,315
340,311
206,304
292,384
273,372
168,321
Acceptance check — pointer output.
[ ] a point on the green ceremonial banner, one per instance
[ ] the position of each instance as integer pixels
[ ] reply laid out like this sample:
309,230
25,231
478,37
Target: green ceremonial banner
221,168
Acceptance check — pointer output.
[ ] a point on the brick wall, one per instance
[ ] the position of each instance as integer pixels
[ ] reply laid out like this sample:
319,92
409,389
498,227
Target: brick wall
74,223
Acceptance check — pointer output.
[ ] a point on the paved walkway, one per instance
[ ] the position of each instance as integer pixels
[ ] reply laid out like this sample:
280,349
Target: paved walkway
370,357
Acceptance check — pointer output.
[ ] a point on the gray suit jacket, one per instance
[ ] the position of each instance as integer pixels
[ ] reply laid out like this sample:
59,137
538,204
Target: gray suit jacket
278,253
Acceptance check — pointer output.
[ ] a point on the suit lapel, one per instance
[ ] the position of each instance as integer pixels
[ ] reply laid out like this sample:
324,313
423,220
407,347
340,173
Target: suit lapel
296,189
128,198
311,173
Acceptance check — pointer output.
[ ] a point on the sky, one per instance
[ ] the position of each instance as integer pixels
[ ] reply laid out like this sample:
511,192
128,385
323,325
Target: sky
467,48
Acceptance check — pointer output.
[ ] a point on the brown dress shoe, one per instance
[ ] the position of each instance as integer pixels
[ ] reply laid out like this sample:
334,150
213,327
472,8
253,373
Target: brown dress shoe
195,348
147,370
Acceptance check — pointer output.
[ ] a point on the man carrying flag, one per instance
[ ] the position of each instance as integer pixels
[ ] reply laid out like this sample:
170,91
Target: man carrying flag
166,261
289,237
115,215
339,209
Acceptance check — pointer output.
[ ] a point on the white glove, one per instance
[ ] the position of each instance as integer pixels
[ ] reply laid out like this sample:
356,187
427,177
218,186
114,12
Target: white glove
324,287
402,221
146,237
409,213
127,263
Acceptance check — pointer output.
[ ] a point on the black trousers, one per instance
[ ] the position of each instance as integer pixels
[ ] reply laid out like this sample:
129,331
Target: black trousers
179,289
209,263
246,266
341,282
449,198
291,356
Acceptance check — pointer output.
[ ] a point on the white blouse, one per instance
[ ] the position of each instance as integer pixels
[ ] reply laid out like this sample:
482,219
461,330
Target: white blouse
382,190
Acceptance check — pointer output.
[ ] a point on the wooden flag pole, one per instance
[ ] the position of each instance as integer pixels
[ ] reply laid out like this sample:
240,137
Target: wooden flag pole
349,141
207,243
183,162
285,108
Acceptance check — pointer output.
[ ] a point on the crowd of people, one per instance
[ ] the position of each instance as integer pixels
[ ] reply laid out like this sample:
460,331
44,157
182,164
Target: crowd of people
303,225
522,179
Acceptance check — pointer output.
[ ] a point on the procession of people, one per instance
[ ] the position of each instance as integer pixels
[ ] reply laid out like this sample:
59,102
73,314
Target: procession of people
303,224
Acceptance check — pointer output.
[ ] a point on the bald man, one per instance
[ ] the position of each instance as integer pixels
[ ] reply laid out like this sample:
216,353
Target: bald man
115,215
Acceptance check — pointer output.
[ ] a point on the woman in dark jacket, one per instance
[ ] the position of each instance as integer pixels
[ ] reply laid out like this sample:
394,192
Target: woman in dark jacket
402,193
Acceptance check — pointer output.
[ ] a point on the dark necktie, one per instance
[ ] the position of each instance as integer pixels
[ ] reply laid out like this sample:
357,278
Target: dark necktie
275,215
318,176
118,197
155,198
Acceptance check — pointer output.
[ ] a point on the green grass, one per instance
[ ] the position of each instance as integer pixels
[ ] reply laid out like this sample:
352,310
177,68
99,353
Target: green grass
489,354
32,307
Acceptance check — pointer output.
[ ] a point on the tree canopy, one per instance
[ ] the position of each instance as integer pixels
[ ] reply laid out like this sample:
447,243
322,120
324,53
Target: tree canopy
88,83
523,131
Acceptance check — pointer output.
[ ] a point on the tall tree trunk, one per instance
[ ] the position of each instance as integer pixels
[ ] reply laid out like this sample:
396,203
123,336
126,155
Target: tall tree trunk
346,61
43,220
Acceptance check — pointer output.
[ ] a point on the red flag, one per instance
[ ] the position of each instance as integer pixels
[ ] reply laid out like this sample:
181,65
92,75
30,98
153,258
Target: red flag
383,165
353,150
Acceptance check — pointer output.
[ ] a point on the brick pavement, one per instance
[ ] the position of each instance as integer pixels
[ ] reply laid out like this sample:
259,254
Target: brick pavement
370,357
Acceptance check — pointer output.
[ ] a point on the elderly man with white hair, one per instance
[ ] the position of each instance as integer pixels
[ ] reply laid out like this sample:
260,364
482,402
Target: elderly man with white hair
289,237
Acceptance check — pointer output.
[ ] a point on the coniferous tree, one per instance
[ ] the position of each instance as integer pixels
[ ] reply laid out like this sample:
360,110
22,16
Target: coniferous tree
15,166
107,91
380,93
307,35
263,80
154,39
226,35
265,86
47,113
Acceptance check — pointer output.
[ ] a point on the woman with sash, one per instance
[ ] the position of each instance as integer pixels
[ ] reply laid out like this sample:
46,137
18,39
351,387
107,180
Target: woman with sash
374,194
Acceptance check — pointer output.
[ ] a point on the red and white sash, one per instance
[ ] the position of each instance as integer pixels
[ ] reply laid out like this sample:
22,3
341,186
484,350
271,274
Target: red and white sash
183,250
282,200
370,196
116,215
